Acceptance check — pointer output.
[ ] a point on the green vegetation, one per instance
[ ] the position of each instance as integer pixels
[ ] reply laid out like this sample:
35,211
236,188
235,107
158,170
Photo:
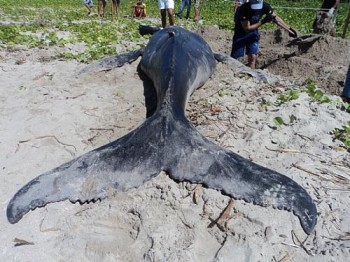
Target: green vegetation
41,23
278,121
225,92
317,94
343,135
289,95
36,23
345,106
320,97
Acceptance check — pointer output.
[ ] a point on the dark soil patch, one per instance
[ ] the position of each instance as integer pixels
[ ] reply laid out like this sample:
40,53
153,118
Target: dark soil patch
318,57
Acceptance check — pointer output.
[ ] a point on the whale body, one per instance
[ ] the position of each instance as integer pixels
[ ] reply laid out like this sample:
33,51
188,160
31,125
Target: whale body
178,62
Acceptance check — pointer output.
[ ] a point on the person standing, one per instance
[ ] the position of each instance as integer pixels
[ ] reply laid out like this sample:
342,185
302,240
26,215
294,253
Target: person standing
330,7
101,8
325,20
89,6
346,90
166,6
248,18
196,10
184,3
115,7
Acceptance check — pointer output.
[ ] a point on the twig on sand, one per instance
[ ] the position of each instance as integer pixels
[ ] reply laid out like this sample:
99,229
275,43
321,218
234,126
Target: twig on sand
310,172
288,150
344,237
102,129
283,150
285,258
335,189
291,245
335,178
222,245
301,243
43,137
74,97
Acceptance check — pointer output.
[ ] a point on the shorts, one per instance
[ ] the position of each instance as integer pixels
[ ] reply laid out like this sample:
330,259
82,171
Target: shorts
89,3
247,43
346,91
166,4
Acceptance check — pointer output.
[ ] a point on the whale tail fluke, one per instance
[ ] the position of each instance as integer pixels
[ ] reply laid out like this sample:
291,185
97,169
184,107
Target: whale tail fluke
163,143
198,160
125,163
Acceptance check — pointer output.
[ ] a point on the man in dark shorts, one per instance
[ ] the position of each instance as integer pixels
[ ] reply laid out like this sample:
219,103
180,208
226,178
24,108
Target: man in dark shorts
329,6
325,20
346,90
246,35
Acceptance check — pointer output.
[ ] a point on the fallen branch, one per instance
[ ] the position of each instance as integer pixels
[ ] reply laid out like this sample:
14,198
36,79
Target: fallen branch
48,136
337,177
344,237
288,150
74,97
338,180
102,129
284,150
291,245
310,172
302,243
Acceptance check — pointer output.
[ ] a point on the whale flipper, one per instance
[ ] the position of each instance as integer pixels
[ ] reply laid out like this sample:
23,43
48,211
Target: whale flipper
125,163
111,62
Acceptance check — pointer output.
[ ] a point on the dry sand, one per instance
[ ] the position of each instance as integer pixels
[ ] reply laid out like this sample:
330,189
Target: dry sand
49,116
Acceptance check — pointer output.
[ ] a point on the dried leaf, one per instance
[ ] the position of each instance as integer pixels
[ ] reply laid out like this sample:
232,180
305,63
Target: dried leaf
197,192
22,242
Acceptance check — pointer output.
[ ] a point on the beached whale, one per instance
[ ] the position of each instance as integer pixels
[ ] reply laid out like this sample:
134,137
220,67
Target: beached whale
178,62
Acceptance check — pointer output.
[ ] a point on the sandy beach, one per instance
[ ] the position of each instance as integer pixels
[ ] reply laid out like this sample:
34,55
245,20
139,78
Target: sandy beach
49,115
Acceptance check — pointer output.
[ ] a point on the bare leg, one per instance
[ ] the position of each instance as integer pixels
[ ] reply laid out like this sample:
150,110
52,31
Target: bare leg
196,14
112,9
104,7
252,60
163,15
89,9
117,10
171,16
101,8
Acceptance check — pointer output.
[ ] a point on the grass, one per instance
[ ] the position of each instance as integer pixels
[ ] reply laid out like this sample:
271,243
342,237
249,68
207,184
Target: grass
35,23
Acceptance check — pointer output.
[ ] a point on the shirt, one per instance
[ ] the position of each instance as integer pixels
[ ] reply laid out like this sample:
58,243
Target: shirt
244,13
328,4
